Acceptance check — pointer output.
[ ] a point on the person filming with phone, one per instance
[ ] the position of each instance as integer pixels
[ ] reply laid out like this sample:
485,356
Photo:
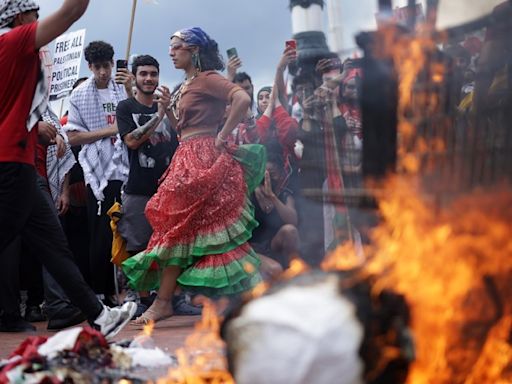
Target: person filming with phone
104,158
273,123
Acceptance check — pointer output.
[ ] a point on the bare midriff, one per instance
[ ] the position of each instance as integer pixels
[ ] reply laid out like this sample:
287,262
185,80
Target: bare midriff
189,132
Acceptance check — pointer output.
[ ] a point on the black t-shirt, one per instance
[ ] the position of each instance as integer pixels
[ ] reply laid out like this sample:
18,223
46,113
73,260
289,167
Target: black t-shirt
151,159
271,222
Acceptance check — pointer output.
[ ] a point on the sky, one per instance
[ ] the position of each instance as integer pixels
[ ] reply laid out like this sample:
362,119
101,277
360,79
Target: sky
257,28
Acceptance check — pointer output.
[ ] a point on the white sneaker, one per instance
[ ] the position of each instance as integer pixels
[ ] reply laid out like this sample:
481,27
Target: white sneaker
112,320
131,295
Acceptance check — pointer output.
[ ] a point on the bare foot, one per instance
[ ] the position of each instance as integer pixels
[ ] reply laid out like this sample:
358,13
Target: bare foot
161,309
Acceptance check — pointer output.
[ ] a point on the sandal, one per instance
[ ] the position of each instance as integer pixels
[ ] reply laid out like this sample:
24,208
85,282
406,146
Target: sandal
153,315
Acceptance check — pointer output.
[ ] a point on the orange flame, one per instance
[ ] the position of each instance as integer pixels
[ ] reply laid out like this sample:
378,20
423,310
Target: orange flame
202,359
297,267
441,260
148,328
343,258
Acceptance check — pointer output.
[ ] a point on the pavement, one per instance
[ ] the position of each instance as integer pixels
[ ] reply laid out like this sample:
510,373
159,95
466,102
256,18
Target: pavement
168,334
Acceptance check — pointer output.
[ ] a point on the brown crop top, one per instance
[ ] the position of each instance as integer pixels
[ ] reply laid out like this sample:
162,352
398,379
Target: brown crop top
203,101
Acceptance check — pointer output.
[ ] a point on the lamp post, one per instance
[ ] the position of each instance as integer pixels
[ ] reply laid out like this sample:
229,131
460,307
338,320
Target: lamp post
307,29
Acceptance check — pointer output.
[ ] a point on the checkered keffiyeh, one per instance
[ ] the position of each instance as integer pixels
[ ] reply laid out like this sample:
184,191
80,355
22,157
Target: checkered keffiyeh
10,8
99,159
57,168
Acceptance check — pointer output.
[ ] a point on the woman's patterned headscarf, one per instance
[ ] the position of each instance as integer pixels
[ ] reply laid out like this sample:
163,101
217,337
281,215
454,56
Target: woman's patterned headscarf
193,36
10,8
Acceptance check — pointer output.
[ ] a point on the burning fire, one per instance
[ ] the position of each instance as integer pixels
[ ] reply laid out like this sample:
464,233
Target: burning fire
297,267
202,360
454,266
148,328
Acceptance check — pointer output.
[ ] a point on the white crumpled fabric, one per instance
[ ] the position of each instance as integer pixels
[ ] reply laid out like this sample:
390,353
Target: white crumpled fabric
59,342
298,335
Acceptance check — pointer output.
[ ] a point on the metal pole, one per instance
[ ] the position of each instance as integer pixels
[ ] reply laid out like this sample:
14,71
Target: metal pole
432,8
411,14
130,32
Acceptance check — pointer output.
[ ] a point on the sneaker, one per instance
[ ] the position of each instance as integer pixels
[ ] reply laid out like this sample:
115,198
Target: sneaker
15,323
141,308
181,306
131,295
112,320
34,314
67,317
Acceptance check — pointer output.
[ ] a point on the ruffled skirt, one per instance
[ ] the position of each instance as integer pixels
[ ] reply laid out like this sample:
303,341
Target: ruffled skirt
202,219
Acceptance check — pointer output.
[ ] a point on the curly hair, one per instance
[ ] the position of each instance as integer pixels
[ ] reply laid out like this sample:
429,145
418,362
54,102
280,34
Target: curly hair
98,52
210,57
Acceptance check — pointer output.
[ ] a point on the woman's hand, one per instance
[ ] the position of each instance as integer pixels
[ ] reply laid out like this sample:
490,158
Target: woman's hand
163,98
267,187
220,141
263,201
234,63
289,55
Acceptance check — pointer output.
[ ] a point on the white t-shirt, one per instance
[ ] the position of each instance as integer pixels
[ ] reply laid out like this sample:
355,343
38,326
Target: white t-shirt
109,106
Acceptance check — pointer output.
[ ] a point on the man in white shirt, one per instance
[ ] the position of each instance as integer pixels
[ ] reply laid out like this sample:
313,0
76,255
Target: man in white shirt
104,159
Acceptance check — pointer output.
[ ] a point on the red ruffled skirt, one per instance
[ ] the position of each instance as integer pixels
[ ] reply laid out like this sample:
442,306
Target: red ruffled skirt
202,219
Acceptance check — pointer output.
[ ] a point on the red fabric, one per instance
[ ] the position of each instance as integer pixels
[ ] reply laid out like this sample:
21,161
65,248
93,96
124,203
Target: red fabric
286,128
27,347
88,339
353,118
286,131
41,151
202,191
353,73
332,160
64,120
20,65
27,350
219,260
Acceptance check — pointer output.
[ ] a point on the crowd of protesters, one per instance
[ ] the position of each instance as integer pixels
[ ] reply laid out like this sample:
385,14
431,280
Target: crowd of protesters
214,185
208,179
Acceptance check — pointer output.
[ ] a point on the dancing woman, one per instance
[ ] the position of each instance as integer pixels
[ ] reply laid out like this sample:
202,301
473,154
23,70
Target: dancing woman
201,214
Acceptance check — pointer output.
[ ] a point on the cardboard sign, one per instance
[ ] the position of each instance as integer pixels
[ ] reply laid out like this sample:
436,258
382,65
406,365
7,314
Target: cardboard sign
67,56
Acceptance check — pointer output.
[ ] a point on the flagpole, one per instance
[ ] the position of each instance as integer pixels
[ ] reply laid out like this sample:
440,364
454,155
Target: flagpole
130,32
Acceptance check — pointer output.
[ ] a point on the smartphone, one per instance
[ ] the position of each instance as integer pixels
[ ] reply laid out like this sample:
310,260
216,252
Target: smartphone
231,52
121,63
291,43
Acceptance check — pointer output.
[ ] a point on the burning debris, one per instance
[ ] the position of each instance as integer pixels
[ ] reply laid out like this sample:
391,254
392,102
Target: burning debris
82,355
202,359
453,266
320,328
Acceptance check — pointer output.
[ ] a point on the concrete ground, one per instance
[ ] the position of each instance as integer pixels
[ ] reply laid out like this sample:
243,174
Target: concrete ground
168,334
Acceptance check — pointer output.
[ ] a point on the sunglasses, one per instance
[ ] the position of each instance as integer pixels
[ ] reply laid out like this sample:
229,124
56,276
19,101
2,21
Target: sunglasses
178,46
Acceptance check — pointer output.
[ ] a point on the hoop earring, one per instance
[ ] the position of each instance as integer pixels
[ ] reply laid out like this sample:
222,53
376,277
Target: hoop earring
196,61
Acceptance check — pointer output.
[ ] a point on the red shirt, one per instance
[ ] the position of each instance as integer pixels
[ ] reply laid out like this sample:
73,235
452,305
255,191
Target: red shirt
20,65
41,151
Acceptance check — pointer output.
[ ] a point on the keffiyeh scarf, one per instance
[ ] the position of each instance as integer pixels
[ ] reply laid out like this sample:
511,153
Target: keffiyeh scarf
57,168
99,159
10,8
